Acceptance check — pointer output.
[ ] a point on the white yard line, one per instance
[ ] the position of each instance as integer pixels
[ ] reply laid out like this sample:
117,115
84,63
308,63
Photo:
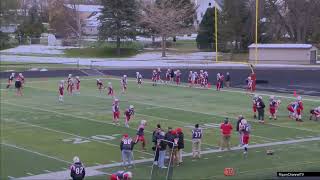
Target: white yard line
35,152
71,134
65,174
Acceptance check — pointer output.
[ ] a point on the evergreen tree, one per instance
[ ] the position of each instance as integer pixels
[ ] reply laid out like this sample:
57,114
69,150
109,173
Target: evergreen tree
206,32
118,20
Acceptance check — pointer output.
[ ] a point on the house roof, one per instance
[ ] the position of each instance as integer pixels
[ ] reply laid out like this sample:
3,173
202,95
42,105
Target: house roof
281,46
86,8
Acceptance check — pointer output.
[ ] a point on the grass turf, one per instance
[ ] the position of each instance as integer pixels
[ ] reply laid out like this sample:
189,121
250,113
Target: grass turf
82,126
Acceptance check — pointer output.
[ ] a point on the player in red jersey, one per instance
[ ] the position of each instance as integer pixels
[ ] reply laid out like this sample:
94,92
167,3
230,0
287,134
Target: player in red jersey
218,85
168,76
273,107
128,114
159,75
77,82
116,111
10,80
71,86
124,83
110,90
100,85
68,82
245,129
61,90
299,109
249,84
253,77
291,108
154,78
140,134
22,79
315,113
178,77
254,105
121,175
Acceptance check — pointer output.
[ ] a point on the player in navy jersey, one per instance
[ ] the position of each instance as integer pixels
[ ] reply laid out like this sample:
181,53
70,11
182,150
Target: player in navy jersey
10,80
140,134
154,78
121,175
61,90
77,170
18,86
77,83
315,113
116,111
100,85
128,114
196,141
110,90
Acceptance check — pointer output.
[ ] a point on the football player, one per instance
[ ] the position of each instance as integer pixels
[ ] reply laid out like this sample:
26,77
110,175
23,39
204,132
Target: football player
126,147
77,82
245,129
273,107
77,170
110,90
218,85
124,83
121,175
116,111
100,85
61,90
315,113
159,75
189,78
129,113
10,80
254,105
68,82
139,79
299,109
71,86
168,76
154,78
18,86
291,108
22,79
178,77
140,134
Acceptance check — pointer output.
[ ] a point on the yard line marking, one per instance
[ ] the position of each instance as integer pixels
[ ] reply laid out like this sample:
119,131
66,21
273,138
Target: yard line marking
71,134
114,161
35,152
97,163
11,177
64,174
211,114
86,118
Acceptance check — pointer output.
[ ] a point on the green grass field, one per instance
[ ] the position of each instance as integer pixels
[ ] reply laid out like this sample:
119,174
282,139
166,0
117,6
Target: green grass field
41,135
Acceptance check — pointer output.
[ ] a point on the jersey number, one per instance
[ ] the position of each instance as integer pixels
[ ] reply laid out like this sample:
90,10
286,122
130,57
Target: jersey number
79,170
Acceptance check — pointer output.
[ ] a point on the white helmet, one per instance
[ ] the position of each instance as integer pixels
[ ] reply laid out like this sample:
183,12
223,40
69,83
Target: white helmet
20,74
249,78
162,133
70,75
98,79
129,174
77,77
159,69
116,99
143,122
131,106
201,70
272,97
62,81
243,121
299,98
260,97
137,72
12,74
76,159
109,83
154,70
169,69
190,71
125,76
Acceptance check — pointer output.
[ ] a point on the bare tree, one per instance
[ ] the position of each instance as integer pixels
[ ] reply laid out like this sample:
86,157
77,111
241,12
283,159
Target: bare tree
168,19
64,20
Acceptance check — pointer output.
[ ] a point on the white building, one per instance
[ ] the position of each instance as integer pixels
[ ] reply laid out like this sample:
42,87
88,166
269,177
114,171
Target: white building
283,53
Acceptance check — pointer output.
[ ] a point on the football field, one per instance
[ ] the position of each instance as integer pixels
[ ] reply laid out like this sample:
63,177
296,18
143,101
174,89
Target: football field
40,136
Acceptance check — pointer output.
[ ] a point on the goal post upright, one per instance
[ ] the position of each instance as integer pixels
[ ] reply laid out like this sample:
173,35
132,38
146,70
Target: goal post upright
256,33
216,28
